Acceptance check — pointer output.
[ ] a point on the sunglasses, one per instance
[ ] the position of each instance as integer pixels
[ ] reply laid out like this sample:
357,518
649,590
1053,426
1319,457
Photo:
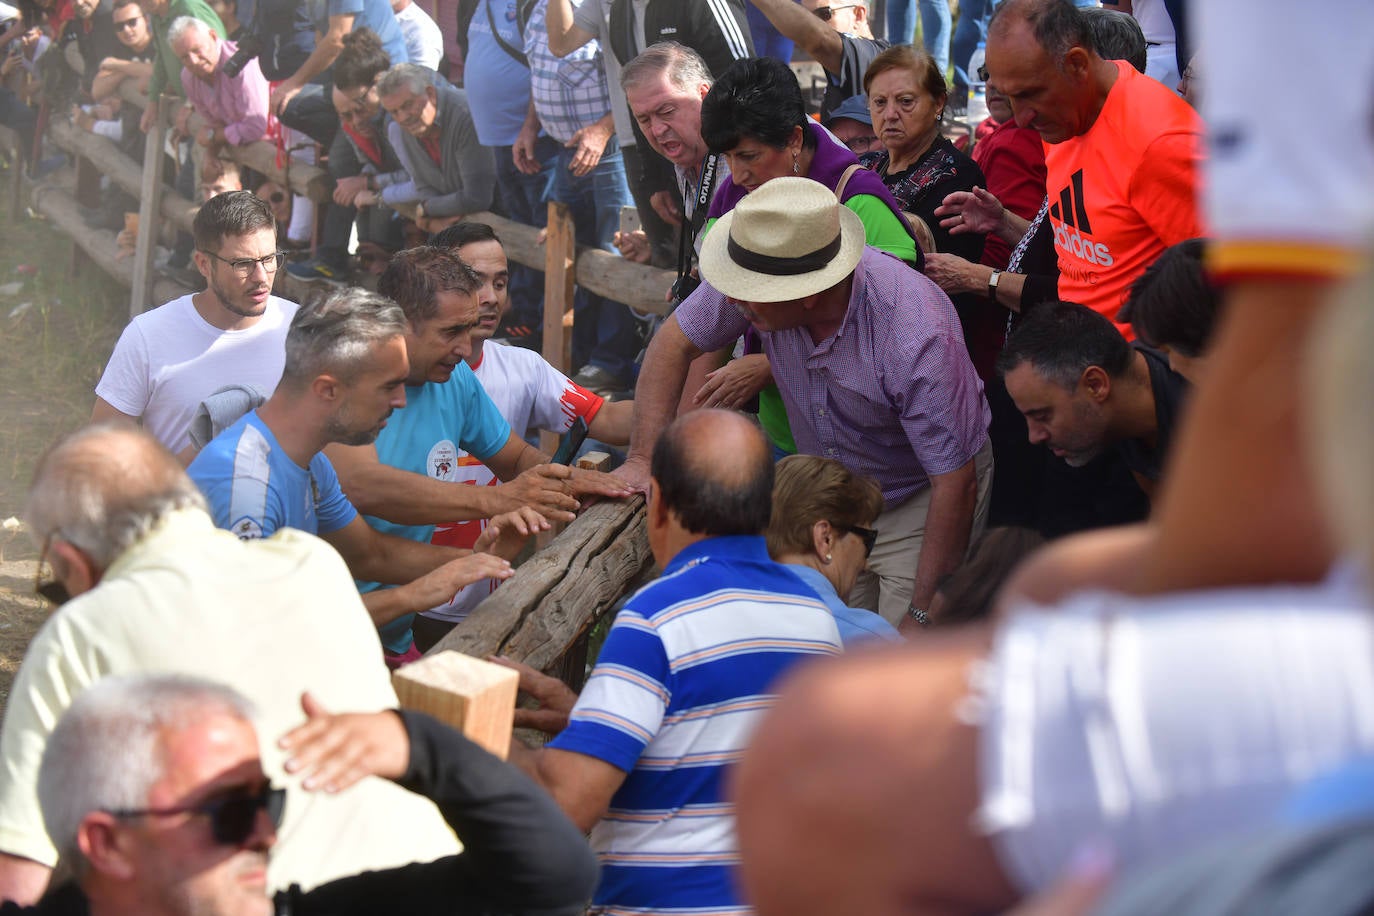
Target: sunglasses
232,818
867,535
824,13
50,589
126,24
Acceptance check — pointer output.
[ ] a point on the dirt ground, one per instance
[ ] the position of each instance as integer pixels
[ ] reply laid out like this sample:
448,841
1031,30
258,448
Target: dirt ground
59,319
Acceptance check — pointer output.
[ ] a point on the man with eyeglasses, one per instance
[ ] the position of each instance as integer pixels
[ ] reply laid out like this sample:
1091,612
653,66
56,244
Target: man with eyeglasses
156,790
153,585
171,358
837,35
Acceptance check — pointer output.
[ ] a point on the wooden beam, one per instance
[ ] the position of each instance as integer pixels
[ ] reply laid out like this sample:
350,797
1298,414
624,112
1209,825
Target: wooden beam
122,170
56,203
559,593
150,206
559,261
470,694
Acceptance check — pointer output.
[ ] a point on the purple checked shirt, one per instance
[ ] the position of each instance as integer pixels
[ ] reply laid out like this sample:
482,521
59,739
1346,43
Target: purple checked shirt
892,394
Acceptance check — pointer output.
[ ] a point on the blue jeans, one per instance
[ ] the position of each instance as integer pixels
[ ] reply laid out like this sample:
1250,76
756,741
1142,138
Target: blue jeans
935,26
525,199
972,30
605,333
768,41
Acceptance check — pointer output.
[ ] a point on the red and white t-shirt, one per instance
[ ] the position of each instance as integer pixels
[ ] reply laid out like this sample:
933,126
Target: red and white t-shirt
532,396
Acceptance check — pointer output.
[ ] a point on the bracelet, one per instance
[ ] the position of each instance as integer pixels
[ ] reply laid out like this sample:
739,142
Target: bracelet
918,615
992,284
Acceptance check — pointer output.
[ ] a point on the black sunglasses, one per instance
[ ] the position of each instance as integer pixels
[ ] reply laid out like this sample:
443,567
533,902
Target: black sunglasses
867,535
52,589
232,818
823,13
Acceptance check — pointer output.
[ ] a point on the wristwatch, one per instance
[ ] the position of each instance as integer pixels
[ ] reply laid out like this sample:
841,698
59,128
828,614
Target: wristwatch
992,284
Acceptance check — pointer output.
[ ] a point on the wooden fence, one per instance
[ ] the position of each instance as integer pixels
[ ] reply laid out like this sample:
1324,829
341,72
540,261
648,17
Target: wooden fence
542,615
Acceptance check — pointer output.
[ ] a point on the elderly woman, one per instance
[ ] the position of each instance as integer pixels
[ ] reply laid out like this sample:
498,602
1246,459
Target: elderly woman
821,528
906,97
755,119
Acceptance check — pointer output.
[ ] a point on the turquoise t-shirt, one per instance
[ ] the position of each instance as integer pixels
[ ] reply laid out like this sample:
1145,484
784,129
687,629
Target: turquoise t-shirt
424,438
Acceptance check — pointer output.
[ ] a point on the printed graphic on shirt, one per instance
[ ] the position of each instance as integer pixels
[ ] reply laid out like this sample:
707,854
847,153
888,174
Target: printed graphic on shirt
442,462
1072,230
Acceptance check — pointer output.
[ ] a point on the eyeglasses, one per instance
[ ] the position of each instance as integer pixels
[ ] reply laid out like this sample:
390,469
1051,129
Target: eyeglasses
824,13
867,535
860,144
243,267
126,24
232,818
51,590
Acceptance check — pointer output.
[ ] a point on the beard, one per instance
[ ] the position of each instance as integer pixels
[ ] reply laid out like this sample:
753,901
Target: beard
339,430
231,301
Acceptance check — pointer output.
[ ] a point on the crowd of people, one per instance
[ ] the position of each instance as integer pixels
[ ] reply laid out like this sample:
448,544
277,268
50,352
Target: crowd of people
1005,478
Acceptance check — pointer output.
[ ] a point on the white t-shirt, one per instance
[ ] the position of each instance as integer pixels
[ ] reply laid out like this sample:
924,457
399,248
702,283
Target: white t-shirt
1279,202
170,359
424,41
531,395
1161,60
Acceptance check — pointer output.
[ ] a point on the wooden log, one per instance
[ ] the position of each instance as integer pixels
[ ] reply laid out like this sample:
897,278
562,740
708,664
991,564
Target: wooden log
561,255
56,203
122,170
595,461
471,694
310,180
150,206
560,592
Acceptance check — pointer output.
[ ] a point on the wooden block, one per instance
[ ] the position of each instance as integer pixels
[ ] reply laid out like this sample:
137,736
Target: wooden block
595,461
472,695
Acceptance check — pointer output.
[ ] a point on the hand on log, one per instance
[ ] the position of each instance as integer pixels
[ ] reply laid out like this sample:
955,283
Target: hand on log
555,698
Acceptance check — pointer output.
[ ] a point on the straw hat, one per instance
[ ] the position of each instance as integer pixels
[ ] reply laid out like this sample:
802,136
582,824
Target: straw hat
788,239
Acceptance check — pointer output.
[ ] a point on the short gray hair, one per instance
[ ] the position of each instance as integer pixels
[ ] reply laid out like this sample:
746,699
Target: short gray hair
183,24
685,68
410,77
337,334
106,751
104,487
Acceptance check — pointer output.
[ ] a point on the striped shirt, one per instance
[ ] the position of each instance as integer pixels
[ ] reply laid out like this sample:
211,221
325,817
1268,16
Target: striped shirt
892,394
687,670
569,92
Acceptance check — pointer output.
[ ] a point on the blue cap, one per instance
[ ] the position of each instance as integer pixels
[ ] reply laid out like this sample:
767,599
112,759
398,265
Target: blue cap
855,108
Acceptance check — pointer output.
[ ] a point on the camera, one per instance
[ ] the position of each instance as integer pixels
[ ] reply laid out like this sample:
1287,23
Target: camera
250,46
684,286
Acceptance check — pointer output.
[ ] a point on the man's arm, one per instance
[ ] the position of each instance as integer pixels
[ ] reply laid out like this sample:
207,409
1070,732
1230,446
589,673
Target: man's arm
327,48
565,36
104,410
793,21
613,422
719,33
949,519
22,880
657,395
520,463
581,785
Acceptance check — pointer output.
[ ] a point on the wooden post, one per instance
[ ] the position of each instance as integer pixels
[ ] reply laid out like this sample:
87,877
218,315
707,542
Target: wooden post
471,694
149,211
560,259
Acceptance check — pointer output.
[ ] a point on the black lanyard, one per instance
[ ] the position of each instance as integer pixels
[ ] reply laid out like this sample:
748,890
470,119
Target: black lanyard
706,186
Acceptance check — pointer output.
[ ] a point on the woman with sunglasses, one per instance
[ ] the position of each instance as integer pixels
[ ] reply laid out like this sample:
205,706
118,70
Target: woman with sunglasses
821,528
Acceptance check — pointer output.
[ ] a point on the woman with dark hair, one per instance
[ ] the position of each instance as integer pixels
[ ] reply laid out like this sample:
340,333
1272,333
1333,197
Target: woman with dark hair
906,97
755,119
821,528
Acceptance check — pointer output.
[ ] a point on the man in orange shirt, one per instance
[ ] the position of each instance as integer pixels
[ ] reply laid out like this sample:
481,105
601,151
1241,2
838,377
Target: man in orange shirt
1121,151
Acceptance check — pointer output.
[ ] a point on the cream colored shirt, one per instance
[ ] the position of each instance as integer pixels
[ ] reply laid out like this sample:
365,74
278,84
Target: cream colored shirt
271,617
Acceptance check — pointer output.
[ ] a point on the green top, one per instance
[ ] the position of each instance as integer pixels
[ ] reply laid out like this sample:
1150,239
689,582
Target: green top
166,67
884,231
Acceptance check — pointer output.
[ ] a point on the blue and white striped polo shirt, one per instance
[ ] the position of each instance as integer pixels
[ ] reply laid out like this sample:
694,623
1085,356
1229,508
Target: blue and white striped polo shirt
687,670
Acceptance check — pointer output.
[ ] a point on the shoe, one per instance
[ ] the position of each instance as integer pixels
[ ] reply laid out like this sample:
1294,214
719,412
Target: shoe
520,333
598,380
318,269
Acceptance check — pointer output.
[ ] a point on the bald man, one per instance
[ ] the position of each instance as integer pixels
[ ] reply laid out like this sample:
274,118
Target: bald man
687,669
146,582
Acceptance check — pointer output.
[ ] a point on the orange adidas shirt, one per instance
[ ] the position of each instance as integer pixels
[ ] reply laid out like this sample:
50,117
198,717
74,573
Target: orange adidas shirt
1124,191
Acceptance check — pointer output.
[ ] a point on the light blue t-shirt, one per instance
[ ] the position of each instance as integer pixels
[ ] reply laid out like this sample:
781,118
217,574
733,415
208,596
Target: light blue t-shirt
498,85
424,438
856,624
253,487
377,16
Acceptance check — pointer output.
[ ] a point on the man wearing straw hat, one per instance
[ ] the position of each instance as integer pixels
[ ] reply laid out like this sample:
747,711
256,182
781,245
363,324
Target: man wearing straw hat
871,364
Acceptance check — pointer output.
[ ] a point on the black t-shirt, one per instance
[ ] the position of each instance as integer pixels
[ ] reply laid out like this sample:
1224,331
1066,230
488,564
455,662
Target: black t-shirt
1170,390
